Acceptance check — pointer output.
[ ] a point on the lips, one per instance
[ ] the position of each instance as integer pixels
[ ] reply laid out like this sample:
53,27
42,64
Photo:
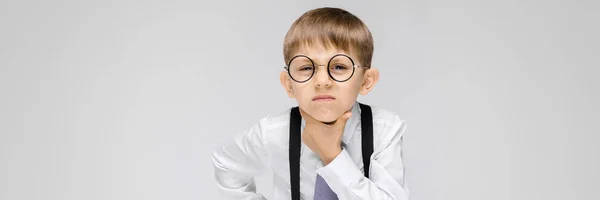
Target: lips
323,98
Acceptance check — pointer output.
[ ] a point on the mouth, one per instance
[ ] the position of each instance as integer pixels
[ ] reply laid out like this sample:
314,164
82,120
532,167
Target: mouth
323,98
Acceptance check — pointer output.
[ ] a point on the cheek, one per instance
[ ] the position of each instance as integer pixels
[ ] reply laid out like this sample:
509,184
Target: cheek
300,91
350,89
347,95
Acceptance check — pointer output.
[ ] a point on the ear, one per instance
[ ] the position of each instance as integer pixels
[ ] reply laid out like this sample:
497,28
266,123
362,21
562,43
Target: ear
370,78
287,84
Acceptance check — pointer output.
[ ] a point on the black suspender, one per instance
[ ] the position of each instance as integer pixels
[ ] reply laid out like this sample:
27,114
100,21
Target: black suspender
366,120
366,123
295,143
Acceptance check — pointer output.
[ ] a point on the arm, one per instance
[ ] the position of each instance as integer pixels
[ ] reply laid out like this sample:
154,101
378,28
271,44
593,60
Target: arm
387,179
238,162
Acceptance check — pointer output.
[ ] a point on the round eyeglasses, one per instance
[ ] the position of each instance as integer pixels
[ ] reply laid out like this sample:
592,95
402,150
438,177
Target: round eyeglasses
340,68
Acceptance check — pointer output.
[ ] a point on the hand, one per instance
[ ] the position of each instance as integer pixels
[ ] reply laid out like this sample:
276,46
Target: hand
324,139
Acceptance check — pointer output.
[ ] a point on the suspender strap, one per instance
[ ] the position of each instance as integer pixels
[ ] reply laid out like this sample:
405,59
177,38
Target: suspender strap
295,142
366,120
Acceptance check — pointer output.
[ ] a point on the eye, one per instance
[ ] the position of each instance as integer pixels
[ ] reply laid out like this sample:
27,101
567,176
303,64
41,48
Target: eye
306,68
339,67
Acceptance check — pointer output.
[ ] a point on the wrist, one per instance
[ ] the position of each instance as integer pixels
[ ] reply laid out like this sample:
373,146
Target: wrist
327,157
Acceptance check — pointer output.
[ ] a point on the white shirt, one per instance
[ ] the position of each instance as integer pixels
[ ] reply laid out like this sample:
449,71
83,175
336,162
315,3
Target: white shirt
265,147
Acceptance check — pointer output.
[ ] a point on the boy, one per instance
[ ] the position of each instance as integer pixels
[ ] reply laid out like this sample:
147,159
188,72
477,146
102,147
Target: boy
322,148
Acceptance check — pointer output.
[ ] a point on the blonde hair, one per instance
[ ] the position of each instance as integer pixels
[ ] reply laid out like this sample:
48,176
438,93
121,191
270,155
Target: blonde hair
330,27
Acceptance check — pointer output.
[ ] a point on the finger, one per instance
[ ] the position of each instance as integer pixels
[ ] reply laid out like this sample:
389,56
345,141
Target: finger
344,118
307,117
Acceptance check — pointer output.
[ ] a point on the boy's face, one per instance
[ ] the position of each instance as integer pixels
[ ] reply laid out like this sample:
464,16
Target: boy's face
322,97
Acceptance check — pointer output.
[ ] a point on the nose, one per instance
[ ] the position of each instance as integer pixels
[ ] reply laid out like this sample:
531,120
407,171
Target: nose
322,77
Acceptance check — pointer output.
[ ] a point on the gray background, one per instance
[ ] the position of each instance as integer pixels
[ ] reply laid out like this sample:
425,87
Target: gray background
127,99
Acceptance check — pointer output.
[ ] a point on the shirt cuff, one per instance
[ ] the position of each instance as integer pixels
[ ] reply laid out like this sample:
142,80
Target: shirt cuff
340,173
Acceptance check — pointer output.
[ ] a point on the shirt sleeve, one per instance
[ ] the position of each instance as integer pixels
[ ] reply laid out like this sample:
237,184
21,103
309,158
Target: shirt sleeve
239,161
386,177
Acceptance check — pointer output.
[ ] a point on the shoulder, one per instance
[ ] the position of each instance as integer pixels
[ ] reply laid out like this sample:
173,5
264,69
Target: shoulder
387,126
273,127
382,116
276,120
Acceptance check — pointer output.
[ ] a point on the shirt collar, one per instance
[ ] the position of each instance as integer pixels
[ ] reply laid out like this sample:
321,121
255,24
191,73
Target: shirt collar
352,123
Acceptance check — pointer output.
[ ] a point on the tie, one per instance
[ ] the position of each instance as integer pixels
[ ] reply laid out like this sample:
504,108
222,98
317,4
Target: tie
322,190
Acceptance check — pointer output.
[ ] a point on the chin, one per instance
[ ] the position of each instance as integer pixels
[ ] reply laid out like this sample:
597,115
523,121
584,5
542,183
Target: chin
326,114
327,118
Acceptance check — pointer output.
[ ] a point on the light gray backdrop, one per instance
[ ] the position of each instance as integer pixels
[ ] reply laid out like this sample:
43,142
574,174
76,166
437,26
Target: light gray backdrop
126,99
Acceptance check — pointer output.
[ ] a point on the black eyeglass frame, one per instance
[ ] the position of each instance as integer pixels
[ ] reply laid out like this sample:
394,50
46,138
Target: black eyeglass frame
354,66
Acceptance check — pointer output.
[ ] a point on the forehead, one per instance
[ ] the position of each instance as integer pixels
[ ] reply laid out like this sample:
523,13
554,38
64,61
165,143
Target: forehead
322,53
